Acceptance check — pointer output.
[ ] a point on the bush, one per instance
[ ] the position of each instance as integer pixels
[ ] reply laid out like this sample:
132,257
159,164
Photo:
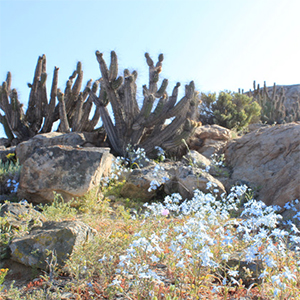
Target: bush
230,110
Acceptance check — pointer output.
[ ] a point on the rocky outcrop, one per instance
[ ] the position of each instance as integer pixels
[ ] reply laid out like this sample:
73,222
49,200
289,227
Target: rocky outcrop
57,238
209,139
69,171
268,159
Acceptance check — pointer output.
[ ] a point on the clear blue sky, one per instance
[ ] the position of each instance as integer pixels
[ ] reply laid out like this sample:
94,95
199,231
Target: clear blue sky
220,44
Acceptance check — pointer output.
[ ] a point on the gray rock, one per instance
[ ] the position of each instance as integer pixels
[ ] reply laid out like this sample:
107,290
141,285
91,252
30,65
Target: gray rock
186,179
21,215
182,179
74,139
60,238
71,172
209,139
268,160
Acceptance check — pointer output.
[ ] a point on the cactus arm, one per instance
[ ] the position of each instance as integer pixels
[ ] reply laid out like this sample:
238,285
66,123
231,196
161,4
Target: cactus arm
30,113
113,68
113,96
49,114
5,106
76,123
6,127
64,125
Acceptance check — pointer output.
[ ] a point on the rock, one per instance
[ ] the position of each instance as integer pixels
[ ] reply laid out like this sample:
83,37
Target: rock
138,182
75,139
186,179
19,218
209,139
21,215
268,159
71,172
196,159
59,237
182,179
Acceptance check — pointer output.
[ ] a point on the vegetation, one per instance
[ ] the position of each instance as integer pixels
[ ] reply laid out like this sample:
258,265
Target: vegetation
274,105
144,126
72,108
205,247
230,110
9,175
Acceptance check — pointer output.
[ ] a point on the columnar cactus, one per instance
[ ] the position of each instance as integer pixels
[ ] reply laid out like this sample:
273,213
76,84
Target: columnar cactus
274,108
73,107
143,126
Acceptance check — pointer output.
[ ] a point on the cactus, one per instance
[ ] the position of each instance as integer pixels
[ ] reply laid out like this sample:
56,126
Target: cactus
145,126
73,108
274,107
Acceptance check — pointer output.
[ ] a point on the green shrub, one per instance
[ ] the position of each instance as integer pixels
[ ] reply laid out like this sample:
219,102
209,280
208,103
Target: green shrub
230,110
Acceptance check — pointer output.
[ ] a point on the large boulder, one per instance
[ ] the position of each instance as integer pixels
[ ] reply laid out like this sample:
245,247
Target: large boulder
209,139
69,171
268,159
74,139
57,238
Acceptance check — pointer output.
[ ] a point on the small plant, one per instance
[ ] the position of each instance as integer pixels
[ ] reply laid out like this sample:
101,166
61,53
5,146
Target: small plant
230,110
59,209
9,175
3,273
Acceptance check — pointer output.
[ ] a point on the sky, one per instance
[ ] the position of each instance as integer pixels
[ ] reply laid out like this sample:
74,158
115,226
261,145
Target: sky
219,44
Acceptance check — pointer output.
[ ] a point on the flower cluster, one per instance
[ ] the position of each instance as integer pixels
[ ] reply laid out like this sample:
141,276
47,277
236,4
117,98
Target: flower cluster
204,239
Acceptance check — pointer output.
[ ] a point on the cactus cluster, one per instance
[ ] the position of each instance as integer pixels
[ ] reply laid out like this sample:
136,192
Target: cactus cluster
274,106
72,109
144,126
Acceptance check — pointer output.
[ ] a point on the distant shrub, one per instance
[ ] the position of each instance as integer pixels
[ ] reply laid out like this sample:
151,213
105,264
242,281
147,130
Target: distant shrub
230,110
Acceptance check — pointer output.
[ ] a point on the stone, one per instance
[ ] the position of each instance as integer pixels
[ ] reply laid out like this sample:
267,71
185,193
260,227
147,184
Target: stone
182,179
196,159
209,139
71,172
268,160
186,179
75,139
21,215
138,182
60,238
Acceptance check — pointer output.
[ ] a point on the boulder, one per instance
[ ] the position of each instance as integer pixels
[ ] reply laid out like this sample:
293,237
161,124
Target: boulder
268,160
71,172
21,215
60,238
186,179
209,139
75,139
182,179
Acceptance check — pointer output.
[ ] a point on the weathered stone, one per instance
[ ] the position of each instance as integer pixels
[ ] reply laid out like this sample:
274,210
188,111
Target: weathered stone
75,139
186,179
71,172
209,139
182,179
268,160
21,215
195,159
138,182
59,237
